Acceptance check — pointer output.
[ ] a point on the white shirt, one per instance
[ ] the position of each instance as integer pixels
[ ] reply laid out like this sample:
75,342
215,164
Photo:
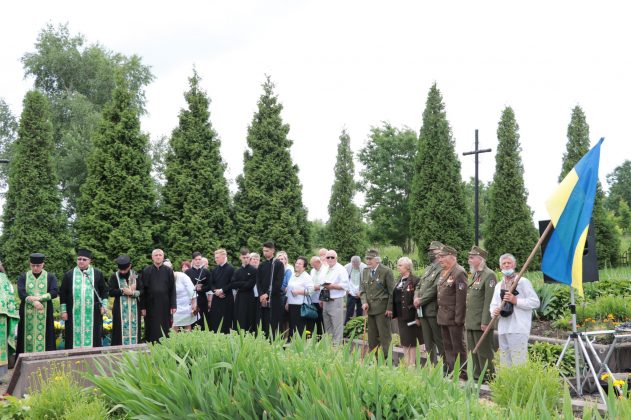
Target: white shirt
318,276
336,275
521,319
184,291
299,283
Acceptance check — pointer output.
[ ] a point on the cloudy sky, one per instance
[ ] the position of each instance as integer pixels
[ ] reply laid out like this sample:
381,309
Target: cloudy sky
353,64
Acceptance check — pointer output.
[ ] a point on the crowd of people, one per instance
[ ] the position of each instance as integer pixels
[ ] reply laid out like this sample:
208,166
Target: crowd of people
444,309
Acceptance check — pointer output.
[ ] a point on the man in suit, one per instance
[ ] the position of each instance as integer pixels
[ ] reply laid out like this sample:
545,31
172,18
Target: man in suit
222,303
375,290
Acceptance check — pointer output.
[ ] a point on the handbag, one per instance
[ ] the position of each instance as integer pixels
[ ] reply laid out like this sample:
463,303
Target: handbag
325,295
307,310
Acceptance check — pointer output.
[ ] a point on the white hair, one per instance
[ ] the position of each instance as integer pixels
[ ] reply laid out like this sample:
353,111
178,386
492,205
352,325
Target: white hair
508,256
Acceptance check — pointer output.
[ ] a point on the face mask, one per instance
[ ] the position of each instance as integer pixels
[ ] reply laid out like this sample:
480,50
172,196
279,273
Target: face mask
508,272
431,256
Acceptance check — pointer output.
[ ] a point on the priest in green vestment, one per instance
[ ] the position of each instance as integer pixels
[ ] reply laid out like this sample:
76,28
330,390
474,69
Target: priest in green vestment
125,289
9,318
36,289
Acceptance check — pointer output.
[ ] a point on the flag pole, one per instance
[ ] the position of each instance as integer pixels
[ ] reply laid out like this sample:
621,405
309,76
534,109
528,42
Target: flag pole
514,286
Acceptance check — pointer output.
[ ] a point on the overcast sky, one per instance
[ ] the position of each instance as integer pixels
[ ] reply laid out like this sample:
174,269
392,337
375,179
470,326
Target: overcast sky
353,64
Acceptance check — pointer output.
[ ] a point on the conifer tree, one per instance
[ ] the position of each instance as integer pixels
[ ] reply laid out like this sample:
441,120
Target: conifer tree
438,206
509,223
33,218
197,206
268,204
117,203
578,144
346,232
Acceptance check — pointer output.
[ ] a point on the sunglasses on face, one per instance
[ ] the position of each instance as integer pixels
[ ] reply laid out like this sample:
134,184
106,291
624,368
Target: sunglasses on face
330,258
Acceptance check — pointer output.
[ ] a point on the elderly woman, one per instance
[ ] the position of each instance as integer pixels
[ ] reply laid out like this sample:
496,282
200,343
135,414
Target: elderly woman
299,287
404,311
186,299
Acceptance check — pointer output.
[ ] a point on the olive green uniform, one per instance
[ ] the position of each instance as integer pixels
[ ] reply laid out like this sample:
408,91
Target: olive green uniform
479,295
376,290
426,290
452,297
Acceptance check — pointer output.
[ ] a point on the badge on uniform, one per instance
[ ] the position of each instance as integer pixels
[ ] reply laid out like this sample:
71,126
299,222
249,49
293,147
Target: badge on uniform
461,286
450,281
492,283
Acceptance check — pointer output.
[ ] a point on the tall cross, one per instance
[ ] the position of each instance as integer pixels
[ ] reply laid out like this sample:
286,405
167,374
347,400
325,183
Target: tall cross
476,152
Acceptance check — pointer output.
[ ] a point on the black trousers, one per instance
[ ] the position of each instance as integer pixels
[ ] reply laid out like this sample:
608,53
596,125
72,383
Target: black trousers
353,307
272,316
297,323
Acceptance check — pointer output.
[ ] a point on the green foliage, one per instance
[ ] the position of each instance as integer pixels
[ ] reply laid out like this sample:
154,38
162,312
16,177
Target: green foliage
616,308
607,237
607,287
388,159
354,328
623,218
518,386
555,300
268,203
242,376
117,203
483,202
196,201
619,181
346,232
33,218
317,230
58,395
548,354
437,199
8,134
509,223
79,80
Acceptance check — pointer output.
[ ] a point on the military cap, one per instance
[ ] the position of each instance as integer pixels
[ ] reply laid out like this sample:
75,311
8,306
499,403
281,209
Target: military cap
447,250
36,258
371,253
435,245
82,252
476,250
123,261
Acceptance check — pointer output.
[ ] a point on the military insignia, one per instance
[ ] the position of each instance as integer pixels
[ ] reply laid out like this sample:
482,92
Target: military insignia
450,281
461,286
492,283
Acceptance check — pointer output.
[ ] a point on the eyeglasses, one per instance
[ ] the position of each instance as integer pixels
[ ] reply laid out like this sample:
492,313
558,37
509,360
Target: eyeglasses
331,258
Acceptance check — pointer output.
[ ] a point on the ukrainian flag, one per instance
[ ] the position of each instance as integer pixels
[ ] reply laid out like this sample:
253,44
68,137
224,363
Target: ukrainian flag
570,208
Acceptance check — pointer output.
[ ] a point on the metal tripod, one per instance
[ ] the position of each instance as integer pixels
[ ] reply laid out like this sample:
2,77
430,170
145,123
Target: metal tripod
583,347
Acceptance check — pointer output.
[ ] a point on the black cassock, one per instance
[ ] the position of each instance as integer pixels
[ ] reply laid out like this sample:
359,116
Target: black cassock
157,297
221,309
65,296
50,324
200,276
245,303
271,272
116,293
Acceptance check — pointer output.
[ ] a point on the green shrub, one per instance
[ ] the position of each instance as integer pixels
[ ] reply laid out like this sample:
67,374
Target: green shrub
531,384
548,354
242,376
616,308
607,287
354,328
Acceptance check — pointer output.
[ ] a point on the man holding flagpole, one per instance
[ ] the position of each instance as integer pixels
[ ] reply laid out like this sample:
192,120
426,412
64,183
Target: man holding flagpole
515,313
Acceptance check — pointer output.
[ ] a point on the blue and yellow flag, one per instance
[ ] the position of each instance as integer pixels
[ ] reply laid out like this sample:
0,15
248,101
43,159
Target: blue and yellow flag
570,208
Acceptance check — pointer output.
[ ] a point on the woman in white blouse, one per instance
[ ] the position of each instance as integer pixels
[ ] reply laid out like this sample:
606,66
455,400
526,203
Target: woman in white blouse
186,299
299,286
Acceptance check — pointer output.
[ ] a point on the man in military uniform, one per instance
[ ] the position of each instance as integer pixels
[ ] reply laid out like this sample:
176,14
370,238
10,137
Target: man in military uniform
425,303
477,318
375,290
452,296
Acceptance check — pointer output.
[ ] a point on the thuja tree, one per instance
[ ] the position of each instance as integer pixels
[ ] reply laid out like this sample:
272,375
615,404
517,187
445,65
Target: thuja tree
437,200
268,203
196,199
346,232
509,221
117,203
578,144
33,218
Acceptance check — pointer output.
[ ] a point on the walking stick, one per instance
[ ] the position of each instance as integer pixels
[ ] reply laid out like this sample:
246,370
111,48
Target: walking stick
364,336
514,286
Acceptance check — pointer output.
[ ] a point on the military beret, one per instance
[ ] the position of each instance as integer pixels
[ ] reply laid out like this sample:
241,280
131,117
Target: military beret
371,253
36,258
435,245
82,252
447,250
123,261
476,250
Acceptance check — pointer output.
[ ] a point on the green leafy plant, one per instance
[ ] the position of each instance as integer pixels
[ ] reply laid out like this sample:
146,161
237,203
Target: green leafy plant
354,328
548,354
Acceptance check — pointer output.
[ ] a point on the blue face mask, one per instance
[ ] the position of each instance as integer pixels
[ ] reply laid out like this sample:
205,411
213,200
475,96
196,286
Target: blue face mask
508,272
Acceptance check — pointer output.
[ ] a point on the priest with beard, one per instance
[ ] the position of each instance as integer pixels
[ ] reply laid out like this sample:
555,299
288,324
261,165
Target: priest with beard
200,276
36,289
158,300
220,294
125,290
83,297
